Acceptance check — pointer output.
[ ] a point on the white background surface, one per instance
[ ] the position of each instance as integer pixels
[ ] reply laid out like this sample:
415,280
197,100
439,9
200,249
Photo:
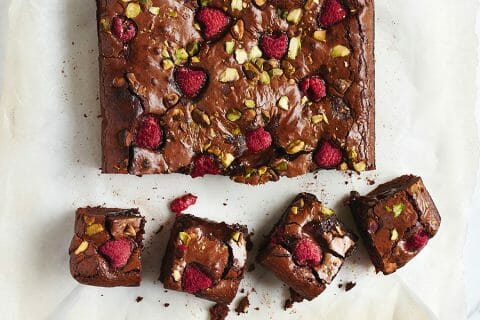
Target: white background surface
426,60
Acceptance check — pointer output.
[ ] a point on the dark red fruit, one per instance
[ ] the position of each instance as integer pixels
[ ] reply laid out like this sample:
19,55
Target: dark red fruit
149,134
274,46
214,22
328,155
195,280
258,140
182,203
203,165
313,88
332,12
123,28
417,241
307,252
117,252
190,81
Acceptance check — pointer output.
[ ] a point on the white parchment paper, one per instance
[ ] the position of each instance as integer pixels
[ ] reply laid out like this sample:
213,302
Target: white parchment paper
50,154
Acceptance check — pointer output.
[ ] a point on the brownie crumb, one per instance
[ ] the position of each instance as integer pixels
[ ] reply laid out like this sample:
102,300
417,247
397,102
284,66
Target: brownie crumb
294,297
349,285
251,267
166,305
340,286
370,182
219,311
242,290
243,305
257,308
139,299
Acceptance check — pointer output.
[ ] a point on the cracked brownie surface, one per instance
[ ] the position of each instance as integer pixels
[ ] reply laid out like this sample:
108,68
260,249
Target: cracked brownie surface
254,90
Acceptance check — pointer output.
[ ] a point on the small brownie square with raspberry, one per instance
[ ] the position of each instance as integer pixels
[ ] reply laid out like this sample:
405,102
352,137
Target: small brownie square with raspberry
106,248
205,258
396,220
307,247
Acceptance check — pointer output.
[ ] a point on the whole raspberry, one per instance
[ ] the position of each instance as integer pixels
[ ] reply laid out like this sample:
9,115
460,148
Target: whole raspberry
195,280
332,12
417,241
307,252
214,22
313,88
190,81
182,203
149,134
328,156
258,140
117,252
274,46
123,29
203,165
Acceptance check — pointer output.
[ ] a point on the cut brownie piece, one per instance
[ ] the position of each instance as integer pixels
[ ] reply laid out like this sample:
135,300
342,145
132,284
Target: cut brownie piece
307,247
396,220
238,89
205,258
106,248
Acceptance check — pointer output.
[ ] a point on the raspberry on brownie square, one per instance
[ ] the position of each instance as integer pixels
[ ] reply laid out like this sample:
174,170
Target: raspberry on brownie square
233,88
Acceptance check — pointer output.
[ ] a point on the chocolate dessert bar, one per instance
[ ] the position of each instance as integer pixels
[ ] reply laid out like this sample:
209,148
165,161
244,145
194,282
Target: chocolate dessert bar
205,258
396,220
253,90
307,247
106,248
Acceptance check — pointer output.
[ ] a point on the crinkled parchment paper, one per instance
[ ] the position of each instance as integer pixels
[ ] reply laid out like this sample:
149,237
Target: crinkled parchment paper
50,155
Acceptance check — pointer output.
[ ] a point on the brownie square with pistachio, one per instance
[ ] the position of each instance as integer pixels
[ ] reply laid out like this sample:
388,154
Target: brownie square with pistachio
106,248
396,220
307,247
205,258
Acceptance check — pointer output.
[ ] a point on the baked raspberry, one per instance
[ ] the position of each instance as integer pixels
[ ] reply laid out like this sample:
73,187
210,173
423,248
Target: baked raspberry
123,28
258,140
313,88
149,134
203,165
274,46
332,12
117,252
214,22
328,155
195,280
417,241
182,203
190,81
307,252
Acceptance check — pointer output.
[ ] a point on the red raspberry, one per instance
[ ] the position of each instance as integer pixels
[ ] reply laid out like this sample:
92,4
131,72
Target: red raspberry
417,241
123,29
328,156
332,12
203,165
258,140
195,280
213,21
117,251
182,203
307,252
190,81
149,133
313,88
274,46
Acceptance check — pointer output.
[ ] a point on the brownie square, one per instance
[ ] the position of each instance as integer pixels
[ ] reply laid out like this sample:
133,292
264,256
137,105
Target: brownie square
396,220
253,90
106,248
307,247
205,258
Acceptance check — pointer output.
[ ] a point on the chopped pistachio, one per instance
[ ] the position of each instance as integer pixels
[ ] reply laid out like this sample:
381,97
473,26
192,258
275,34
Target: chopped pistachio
304,100
295,15
167,64
227,159
274,73
93,229
264,78
250,103
394,235
250,71
193,48
317,118
295,147
229,75
172,14
238,30
339,51
260,3
81,248
184,237
204,3
105,24
359,166
398,209
259,62
352,154
254,53
165,52
176,275
236,236
288,68
233,114
237,5
132,10
262,170
154,10
327,211
229,47
195,59
236,131
301,202
180,56
283,103
294,47
214,150
320,35
282,166
294,210
343,166
241,56
249,115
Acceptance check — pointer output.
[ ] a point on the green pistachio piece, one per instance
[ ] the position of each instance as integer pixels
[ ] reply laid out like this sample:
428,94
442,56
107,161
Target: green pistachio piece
275,73
93,229
180,56
167,64
250,104
320,35
294,47
295,15
295,147
327,211
226,159
236,236
339,51
81,248
282,166
229,46
254,53
359,166
394,235
237,5
154,10
294,210
317,119
283,103
264,78
184,237
241,56
193,48
229,75
262,170
132,10
398,209
233,115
